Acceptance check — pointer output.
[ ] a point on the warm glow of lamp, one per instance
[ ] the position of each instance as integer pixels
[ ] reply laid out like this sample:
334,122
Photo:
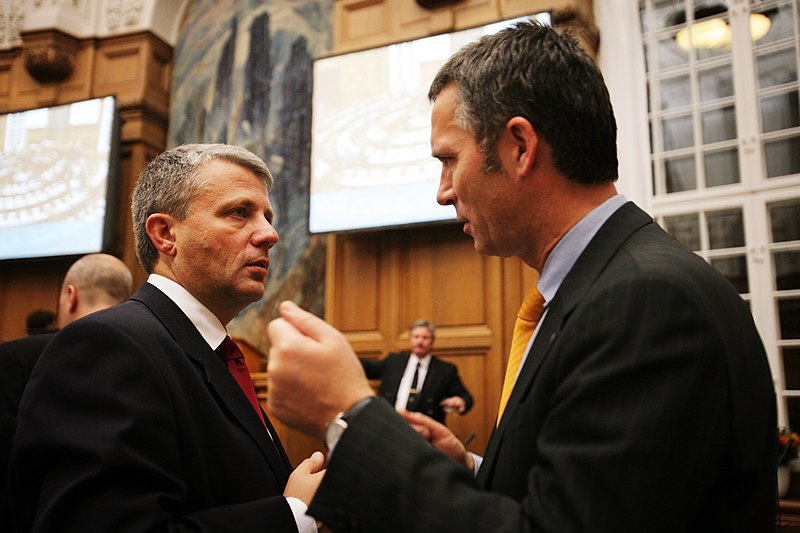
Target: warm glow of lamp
716,33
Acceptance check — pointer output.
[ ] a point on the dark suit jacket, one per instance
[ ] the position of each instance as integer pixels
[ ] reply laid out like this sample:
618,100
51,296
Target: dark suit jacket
130,422
441,382
645,404
17,359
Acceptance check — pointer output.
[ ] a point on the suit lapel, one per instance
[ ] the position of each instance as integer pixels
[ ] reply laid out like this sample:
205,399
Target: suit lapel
219,380
624,222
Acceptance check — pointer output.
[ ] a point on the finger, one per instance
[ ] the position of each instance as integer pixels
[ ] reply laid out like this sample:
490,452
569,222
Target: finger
306,323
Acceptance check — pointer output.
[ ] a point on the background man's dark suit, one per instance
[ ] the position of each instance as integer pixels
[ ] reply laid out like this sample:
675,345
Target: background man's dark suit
647,362
441,382
17,359
153,403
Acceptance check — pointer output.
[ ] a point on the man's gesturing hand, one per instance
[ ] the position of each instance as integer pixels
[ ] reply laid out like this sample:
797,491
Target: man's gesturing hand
313,373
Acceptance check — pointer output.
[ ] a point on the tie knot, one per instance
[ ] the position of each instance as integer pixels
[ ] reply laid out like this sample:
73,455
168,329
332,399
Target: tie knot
532,306
229,350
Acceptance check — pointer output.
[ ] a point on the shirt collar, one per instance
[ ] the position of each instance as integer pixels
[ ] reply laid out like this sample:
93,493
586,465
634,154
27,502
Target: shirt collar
424,362
206,322
571,246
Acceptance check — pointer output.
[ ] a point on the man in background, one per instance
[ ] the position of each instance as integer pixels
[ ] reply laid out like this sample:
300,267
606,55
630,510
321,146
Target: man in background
418,380
639,393
40,321
144,417
92,283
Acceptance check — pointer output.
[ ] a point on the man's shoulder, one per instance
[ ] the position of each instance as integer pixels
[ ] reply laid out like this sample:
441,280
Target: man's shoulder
25,350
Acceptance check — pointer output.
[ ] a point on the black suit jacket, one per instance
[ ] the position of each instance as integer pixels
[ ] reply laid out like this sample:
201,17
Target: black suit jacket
441,382
645,404
17,359
131,422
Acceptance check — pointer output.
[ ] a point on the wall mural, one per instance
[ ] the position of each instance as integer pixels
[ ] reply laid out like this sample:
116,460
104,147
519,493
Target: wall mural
242,75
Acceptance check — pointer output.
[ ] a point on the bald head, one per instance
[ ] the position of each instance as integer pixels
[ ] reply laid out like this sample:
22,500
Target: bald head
92,283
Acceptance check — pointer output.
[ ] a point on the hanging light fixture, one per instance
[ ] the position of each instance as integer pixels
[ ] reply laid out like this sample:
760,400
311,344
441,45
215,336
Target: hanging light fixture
711,30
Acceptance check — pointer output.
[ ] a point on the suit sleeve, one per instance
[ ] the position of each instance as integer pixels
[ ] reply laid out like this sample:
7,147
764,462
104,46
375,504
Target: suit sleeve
373,369
456,388
97,447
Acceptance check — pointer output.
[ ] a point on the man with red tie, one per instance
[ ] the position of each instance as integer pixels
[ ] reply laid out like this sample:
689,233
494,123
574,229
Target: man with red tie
143,417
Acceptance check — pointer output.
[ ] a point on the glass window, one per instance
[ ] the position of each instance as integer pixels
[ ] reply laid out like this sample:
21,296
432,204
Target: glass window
787,270
782,157
678,132
685,228
722,167
675,92
680,174
725,229
782,24
669,54
789,318
776,68
791,368
719,124
715,83
779,112
784,219
735,269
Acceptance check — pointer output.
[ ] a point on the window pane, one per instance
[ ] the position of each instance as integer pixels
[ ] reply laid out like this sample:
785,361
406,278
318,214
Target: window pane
669,54
793,408
735,269
715,83
779,112
784,220
781,23
667,12
685,228
787,270
776,68
678,132
719,124
675,92
791,368
722,168
725,229
680,174
789,316
782,157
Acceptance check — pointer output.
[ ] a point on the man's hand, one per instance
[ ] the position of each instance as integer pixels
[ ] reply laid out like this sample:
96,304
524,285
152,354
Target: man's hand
305,479
454,403
313,373
440,438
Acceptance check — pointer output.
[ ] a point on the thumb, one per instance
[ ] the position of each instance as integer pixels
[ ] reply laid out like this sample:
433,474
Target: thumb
315,462
306,323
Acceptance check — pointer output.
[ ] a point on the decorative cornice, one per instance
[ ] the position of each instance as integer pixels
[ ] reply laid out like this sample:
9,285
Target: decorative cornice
49,55
120,13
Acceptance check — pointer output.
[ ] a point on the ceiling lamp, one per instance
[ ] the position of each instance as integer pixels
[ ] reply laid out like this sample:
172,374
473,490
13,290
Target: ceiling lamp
710,30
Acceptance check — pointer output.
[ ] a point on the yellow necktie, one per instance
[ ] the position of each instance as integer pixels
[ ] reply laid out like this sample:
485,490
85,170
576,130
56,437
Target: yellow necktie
528,316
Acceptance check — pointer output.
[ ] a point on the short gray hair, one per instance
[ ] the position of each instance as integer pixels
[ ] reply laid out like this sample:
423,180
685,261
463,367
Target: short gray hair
172,181
422,323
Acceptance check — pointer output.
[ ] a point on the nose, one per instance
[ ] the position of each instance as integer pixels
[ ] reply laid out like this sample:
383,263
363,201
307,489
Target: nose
265,234
446,195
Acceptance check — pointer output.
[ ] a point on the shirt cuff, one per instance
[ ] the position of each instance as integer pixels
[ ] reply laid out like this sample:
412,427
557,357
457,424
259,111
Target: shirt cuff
478,460
305,524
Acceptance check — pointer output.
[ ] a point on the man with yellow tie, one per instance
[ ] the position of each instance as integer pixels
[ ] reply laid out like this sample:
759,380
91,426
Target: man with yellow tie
638,396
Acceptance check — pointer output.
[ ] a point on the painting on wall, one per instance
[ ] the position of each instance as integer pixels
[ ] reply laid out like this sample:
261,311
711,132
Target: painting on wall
242,75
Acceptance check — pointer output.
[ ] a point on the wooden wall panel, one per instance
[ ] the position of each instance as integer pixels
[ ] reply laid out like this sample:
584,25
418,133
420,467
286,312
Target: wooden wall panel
134,68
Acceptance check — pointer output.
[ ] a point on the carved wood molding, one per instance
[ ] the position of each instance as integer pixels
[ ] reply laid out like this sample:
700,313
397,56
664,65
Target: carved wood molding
49,55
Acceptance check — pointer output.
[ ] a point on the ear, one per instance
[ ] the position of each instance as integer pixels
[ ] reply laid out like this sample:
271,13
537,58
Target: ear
161,230
72,299
524,142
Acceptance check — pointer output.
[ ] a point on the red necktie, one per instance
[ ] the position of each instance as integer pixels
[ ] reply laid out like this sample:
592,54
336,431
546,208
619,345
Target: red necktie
233,357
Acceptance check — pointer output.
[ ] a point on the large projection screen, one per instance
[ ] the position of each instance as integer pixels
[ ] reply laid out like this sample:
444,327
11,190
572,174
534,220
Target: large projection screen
371,164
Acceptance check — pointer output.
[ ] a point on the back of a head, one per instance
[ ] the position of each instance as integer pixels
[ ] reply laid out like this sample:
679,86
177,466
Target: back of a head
102,280
538,73
40,321
171,181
